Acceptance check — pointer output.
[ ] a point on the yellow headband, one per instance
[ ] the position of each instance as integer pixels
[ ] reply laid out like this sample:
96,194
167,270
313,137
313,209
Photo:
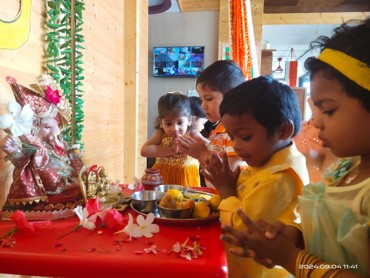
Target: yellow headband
352,68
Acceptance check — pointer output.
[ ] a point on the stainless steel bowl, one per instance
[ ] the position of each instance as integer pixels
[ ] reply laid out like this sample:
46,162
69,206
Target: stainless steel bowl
165,187
145,200
175,213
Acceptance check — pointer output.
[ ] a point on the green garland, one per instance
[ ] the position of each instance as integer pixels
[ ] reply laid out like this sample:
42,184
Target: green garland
64,59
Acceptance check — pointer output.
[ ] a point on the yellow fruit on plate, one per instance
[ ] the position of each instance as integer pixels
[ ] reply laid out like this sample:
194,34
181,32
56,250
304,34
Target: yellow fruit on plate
215,201
201,210
175,194
167,201
188,203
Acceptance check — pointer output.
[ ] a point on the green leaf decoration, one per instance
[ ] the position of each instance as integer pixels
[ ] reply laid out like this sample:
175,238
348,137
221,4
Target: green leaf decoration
61,55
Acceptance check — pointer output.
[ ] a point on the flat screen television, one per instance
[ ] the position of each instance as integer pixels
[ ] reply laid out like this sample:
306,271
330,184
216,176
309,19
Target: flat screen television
178,61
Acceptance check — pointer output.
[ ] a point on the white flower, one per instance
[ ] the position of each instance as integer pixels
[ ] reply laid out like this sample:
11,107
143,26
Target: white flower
84,220
19,121
146,228
130,227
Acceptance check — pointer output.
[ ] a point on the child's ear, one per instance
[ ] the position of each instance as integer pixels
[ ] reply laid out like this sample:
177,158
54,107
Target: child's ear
159,122
286,130
190,121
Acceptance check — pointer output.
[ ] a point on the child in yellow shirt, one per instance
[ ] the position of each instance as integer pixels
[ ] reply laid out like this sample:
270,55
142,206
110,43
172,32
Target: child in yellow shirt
261,116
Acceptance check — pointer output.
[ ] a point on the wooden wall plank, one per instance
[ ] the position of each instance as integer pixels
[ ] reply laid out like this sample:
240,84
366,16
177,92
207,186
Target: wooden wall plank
312,18
257,18
198,5
315,6
104,93
136,85
223,26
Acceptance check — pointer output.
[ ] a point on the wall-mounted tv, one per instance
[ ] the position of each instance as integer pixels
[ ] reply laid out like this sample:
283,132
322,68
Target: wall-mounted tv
178,61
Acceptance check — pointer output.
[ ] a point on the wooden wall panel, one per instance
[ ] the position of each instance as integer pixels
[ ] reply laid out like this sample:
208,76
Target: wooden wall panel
223,25
312,18
104,93
136,86
198,5
111,81
142,87
257,17
315,6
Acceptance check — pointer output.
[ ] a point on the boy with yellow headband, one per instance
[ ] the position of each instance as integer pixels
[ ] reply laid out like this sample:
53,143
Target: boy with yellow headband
334,213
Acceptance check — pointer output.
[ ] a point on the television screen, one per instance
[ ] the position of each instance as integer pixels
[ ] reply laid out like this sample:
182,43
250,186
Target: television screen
178,61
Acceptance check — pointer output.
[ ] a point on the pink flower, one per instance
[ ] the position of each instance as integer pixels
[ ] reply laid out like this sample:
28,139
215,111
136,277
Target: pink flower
177,247
7,242
113,218
23,226
93,206
52,96
186,251
95,211
93,215
152,249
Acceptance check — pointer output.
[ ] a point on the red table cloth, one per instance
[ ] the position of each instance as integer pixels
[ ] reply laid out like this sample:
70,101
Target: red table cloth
86,253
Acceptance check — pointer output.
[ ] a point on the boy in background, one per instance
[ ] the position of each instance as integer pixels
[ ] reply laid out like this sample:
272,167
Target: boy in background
212,84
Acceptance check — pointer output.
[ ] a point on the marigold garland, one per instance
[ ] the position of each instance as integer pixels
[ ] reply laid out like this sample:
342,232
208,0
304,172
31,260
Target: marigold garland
64,59
241,42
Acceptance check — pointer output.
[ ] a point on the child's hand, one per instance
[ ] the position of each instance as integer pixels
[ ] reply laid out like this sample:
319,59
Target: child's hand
194,147
198,136
290,232
219,173
254,243
175,145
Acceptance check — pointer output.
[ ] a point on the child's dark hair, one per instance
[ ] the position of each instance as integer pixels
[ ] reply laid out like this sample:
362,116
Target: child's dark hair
353,40
221,76
196,107
269,101
173,104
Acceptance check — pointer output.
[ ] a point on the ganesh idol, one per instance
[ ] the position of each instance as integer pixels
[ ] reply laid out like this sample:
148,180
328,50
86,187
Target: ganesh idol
46,175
